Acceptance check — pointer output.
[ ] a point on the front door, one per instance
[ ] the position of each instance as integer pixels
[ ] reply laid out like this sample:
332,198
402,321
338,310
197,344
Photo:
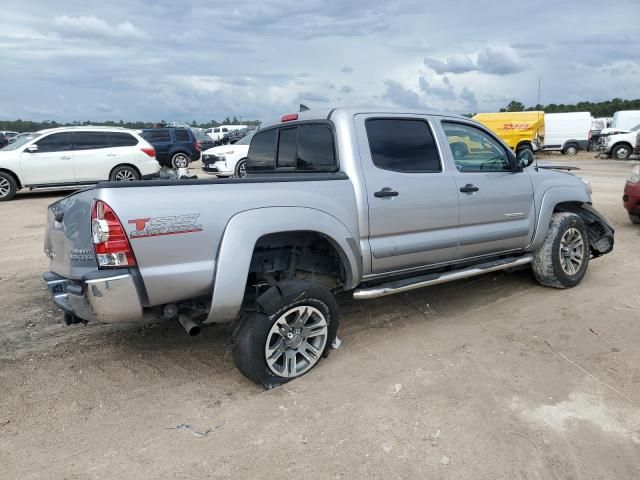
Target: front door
412,198
52,163
497,210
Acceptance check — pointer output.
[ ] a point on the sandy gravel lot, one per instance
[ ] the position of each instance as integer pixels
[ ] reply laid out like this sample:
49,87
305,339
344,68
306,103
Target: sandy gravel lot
495,377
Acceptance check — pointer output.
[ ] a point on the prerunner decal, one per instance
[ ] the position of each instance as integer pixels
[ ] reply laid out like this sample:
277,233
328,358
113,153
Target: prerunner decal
157,226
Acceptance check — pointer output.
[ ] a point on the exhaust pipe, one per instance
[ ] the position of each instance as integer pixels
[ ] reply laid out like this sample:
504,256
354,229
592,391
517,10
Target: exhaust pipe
191,327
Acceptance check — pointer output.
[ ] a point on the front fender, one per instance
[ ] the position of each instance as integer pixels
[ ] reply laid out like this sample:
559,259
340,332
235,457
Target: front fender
551,198
241,235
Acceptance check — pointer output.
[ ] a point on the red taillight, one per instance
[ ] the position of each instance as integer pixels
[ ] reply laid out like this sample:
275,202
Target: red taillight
198,146
149,151
110,242
289,118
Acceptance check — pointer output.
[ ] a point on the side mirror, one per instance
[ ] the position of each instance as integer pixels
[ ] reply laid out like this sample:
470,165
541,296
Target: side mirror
524,158
32,148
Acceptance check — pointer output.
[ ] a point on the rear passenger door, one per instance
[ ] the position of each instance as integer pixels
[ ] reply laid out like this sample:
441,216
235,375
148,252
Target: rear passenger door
497,211
93,156
412,197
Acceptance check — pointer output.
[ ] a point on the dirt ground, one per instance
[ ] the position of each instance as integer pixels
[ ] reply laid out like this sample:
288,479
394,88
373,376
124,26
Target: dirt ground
495,377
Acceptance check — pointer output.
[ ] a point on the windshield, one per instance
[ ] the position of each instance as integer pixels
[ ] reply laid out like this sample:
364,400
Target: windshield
246,140
21,141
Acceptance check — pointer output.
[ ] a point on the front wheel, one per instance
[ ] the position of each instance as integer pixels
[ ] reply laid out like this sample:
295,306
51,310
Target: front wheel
124,173
621,152
634,217
8,187
294,326
562,259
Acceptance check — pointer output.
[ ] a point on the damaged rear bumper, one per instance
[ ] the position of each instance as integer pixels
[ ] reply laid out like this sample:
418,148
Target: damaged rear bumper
102,296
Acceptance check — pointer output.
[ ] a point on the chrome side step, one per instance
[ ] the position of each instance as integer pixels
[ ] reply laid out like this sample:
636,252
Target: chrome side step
408,284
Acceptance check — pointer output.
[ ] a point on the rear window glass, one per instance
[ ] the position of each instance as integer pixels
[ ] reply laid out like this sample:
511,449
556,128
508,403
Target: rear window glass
315,149
287,147
122,139
262,151
89,140
402,145
181,136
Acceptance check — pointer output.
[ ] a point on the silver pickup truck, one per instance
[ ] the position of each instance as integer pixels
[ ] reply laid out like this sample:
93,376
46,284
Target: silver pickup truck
373,201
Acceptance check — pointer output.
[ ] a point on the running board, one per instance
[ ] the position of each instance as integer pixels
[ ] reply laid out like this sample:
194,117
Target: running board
407,284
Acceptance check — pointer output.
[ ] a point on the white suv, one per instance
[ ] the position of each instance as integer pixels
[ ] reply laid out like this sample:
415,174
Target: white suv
68,156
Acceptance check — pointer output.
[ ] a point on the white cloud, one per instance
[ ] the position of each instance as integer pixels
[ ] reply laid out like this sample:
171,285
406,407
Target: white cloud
90,26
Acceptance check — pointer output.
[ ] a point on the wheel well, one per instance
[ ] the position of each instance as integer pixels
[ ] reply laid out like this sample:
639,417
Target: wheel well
525,143
297,254
568,143
173,154
15,177
124,165
598,233
626,144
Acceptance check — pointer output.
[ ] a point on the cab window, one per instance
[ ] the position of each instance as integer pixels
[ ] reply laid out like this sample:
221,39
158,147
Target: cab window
474,150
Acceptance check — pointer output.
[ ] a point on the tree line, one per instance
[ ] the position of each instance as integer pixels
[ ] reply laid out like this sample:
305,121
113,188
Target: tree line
31,126
597,109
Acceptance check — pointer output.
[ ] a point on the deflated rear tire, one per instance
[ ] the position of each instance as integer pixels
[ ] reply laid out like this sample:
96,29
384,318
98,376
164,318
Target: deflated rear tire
8,187
562,259
293,328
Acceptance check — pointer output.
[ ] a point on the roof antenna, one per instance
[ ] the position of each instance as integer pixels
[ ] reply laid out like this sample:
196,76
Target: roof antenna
303,108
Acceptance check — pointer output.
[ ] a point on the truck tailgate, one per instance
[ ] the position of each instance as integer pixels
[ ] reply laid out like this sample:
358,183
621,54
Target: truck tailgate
67,240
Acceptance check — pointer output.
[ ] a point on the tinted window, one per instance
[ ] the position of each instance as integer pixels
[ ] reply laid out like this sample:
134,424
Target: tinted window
225,129
315,149
402,145
287,147
122,139
56,142
181,136
262,151
474,150
216,130
157,135
89,140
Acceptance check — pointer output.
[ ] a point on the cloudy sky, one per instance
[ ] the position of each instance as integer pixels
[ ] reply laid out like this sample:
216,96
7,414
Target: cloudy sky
201,60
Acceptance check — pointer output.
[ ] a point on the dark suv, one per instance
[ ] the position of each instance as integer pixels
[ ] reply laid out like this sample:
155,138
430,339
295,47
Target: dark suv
175,147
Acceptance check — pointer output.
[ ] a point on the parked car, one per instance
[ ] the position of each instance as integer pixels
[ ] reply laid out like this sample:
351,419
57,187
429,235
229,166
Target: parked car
70,156
175,147
237,135
216,133
567,132
619,143
11,136
25,134
597,125
228,160
204,140
519,130
631,196
370,201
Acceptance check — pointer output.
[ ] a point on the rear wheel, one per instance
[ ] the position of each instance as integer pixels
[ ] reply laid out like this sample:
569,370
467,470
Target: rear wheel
635,218
570,149
124,173
562,259
294,326
8,187
180,160
621,152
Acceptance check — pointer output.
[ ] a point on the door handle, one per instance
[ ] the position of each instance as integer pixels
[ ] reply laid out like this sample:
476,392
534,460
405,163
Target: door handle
65,157
111,154
469,188
386,192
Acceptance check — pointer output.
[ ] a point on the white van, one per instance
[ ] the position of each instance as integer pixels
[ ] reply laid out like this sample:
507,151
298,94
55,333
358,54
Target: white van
567,132
625,119
217,133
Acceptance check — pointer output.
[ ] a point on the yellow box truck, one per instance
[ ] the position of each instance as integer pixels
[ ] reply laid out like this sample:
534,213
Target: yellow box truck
519,130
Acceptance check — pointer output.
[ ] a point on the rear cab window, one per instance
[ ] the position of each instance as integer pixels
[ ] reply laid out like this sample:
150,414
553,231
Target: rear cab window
305,147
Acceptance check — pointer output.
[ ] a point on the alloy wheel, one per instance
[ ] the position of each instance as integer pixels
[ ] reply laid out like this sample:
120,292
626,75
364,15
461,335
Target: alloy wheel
296,341
572,251
125,176
5,187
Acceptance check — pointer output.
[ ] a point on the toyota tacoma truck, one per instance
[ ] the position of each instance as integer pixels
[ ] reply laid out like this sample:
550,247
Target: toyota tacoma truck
369,201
